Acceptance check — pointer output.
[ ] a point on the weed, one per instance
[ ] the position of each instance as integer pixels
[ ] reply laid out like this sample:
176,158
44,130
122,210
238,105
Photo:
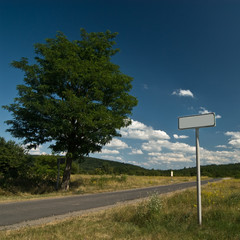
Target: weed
173,217
147,212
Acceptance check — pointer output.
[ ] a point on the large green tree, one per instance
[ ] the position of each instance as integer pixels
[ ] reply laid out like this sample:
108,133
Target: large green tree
73,96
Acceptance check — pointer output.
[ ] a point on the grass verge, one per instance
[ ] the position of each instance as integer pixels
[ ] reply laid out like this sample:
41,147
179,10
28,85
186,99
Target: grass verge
82,184
171,217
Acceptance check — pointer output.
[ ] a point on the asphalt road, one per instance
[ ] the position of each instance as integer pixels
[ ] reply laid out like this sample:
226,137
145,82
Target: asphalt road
18,212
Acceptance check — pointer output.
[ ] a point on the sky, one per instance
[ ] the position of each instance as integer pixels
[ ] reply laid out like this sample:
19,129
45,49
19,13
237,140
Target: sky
184,57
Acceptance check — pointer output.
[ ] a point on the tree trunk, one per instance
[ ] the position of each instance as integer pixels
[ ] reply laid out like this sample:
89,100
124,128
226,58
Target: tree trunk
67,173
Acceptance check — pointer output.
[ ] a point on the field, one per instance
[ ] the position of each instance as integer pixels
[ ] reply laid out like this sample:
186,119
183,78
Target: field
82,184
170,217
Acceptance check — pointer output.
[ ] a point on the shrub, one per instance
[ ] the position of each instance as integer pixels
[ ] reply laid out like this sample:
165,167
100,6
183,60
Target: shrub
148,212
45,168
13,161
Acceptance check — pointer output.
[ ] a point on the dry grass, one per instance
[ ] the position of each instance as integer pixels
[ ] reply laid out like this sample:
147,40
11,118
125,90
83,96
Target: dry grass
96,183
171,217
82,184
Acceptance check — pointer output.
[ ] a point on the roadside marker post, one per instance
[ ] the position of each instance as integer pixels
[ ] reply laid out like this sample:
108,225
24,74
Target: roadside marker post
59,161
197,121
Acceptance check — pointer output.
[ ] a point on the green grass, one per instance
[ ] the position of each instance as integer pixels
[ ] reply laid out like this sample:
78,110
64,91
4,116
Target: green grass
172,217
82,184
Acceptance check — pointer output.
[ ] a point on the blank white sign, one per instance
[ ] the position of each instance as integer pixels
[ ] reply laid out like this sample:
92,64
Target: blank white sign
197,121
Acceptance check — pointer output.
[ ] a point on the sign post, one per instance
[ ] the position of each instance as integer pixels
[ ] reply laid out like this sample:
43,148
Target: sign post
197,121
199,199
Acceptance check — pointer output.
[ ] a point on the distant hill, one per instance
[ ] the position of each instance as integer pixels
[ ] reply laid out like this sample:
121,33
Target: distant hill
97,166
225,170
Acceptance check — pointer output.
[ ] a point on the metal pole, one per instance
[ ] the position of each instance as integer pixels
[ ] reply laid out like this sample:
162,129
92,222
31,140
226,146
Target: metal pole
198,179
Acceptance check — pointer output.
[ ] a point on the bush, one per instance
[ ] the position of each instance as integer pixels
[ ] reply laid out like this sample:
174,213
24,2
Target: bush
13,161
148,212
18,169
45,168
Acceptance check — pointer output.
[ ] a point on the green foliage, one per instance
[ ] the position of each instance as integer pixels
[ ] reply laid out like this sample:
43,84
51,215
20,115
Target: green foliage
18,169
144,214
175,217
226,170
13,160
44,168
148,212
73,94
99,166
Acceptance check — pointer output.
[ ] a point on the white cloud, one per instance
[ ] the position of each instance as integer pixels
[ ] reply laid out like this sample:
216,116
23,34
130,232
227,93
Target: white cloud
138,130
137,125
183,93
205,111
37,151
158,145
187,155
218,157
152,146
169,157
180,136
235,139
136,152
235,135
117,143
107,151
62,153
158,151
221,146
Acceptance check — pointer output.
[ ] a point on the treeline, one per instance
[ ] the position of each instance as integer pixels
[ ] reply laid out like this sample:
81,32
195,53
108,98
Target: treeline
17,168
225,170
99,166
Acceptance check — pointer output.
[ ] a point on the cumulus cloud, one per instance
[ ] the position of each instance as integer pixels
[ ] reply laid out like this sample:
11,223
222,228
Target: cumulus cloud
117,143
138,130
136,152
234,139
218,157
180,136
169,157
107,151
221,146
158,151
37,151
183,93
188,156
205,111
158,145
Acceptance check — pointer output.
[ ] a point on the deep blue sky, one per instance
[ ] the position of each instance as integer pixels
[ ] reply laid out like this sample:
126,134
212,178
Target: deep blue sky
184,57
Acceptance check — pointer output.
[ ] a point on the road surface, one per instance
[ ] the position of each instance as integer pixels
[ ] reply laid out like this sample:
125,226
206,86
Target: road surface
18,212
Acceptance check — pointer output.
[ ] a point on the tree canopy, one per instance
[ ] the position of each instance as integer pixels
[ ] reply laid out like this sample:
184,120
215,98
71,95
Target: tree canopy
73,96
